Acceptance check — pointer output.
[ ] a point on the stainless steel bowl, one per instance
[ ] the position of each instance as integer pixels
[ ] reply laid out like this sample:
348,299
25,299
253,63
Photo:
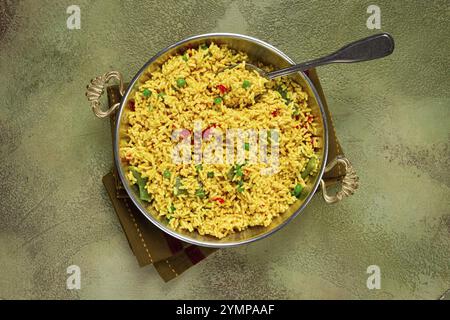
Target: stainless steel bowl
257,50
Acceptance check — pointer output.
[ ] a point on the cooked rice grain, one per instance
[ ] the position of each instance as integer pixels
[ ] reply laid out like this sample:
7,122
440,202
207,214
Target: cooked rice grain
222,209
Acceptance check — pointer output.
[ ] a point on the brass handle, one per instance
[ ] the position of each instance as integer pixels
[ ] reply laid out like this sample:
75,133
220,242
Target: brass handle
96,88
349,182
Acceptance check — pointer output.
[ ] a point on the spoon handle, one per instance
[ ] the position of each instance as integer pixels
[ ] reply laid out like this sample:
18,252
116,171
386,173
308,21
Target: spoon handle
373,47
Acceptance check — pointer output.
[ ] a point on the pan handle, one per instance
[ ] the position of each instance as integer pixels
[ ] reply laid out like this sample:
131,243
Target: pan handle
96,88
349,182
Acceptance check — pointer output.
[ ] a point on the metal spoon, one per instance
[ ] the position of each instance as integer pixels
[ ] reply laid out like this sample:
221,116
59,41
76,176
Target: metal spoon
370,48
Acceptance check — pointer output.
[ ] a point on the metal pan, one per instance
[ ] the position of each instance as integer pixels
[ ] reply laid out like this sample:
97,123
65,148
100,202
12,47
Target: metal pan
257,50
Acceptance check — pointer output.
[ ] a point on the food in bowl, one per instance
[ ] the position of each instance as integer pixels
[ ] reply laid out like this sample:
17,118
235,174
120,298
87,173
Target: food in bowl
192,103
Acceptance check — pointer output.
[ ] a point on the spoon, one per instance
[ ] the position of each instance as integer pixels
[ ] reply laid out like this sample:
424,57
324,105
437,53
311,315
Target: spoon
370,48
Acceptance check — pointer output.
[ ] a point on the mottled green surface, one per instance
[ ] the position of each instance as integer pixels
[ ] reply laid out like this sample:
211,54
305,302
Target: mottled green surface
392,116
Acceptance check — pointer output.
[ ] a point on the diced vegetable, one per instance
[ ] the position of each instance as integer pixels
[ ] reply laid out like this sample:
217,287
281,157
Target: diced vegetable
230,174
141,182
218,199
166,174
247,146
161,94
309,167
179,189
217,100
181,83
297,190
210,174
246,84
238,171
200,193
222,88
147,93
283,93
240,187
275,113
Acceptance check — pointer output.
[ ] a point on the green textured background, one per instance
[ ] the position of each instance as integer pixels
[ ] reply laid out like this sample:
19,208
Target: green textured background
392,117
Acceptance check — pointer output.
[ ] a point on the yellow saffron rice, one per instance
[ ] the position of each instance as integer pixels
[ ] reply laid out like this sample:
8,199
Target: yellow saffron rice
210,84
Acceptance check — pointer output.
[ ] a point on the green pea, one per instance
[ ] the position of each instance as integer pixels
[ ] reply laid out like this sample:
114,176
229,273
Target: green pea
181,83
185,57
217,100
147,93
246,84
166,174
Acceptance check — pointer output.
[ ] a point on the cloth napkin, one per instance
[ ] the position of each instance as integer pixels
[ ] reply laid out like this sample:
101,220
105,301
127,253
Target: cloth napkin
170,256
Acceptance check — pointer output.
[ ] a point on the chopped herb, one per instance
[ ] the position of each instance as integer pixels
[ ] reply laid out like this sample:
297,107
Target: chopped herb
217,100
240,189
309,167
199,167
296,111
204,46
241,183
166,174
247,146
172,209
283,93
147,93
200,193
246,84
238,171
297,190
210,174
181,83
161,94
185,57
141,182
150,108
179,189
